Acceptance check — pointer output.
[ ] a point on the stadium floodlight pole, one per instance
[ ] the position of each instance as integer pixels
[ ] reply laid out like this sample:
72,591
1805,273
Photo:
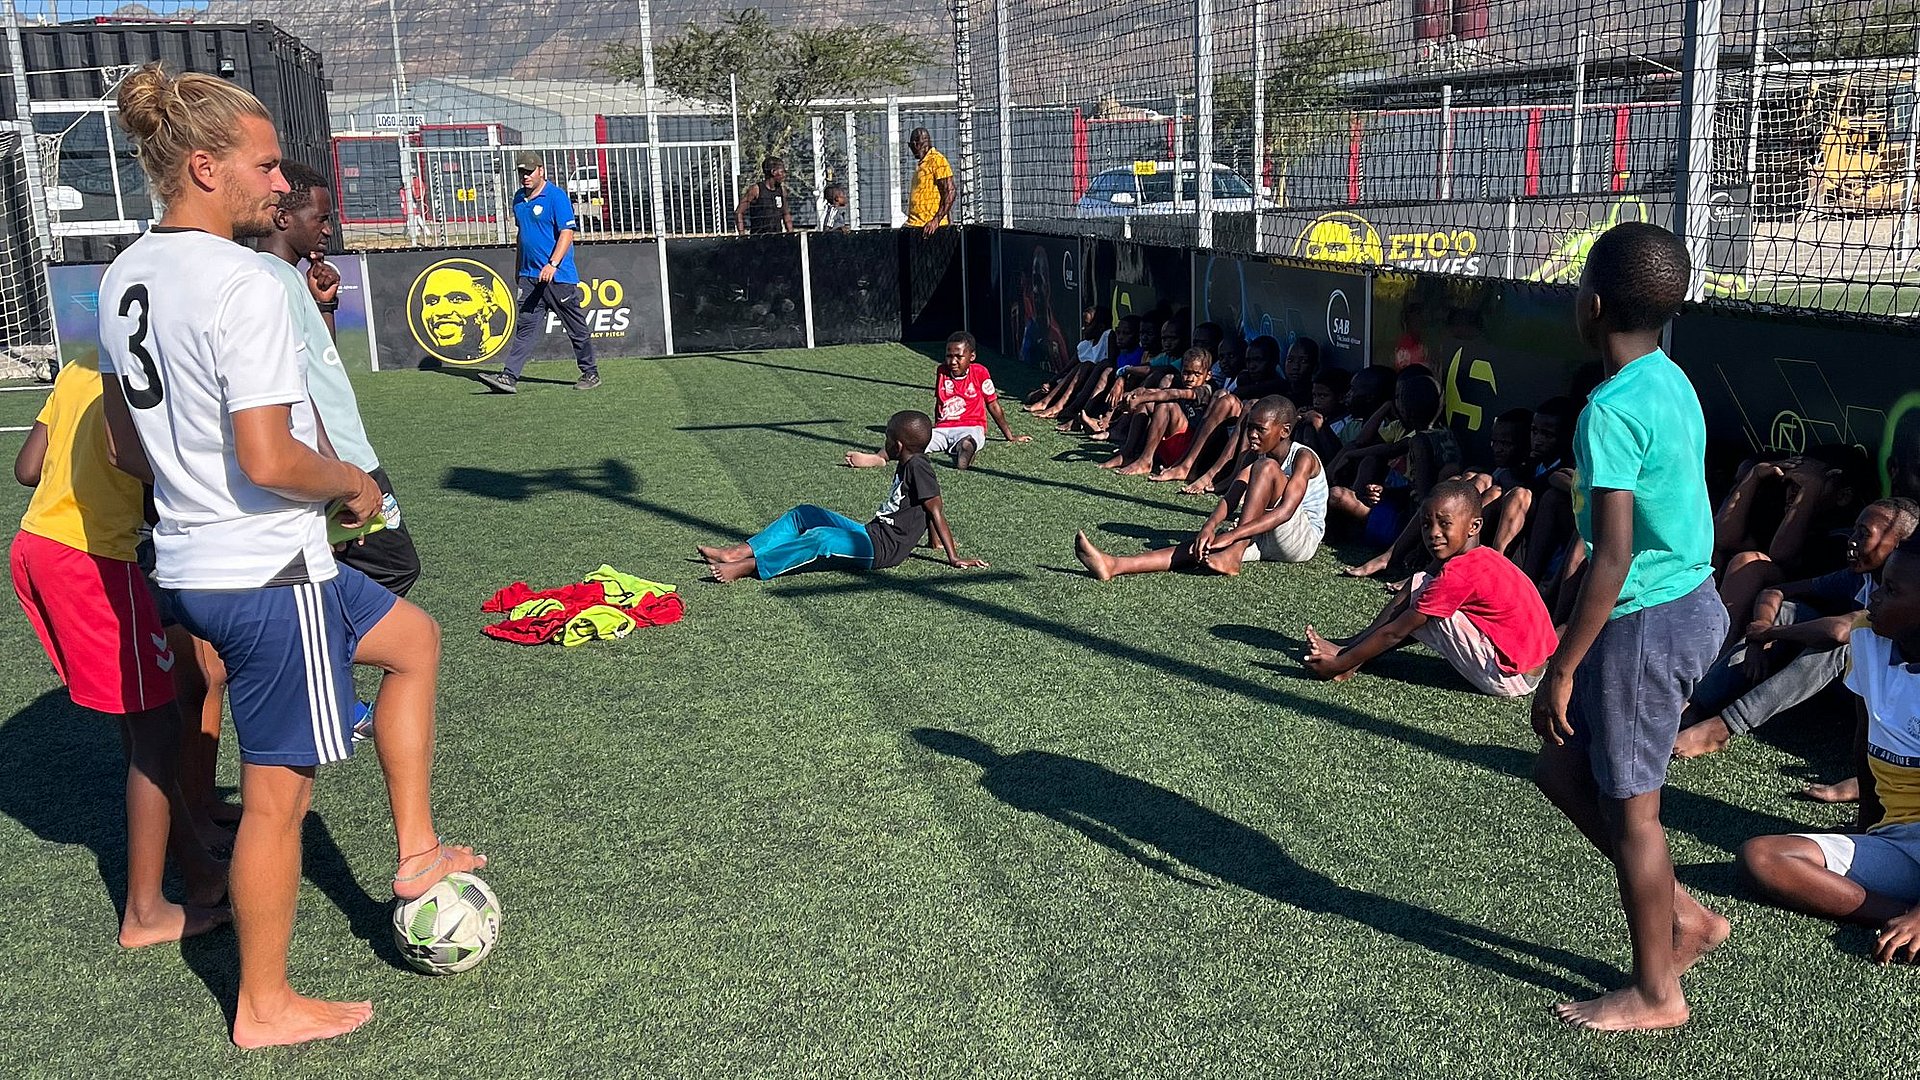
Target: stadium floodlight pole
1758,77
963,85
1006,113
1203,119
1579,111
1693,164
1259,155
656,186
29,143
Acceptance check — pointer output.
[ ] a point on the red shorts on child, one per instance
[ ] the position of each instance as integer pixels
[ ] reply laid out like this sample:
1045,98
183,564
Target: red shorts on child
98,623
1173,447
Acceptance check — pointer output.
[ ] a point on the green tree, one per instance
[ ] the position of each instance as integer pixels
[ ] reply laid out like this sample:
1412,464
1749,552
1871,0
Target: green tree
782,73
1881,29
1306,101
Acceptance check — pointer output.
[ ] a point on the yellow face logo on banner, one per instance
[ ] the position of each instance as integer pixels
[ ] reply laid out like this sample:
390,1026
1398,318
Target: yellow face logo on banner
1340,237
460,311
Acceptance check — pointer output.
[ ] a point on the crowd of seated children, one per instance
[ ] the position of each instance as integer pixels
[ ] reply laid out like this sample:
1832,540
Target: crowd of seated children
1793,644
1102,348
1787,519
1402,452
1532,520
1471,605
1159,369
1158,419
1273,511
1244,375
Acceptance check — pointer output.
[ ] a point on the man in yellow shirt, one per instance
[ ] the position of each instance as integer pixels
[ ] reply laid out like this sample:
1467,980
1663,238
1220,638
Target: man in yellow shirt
76,574
931,201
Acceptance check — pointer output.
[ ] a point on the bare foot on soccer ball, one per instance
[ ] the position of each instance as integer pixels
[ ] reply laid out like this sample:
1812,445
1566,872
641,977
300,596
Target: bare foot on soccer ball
296,1020
1706,737
1169,475
1138,468
422,871
863,459
170,922
1846,791
1627,1009
730,553
1095,560
1695,937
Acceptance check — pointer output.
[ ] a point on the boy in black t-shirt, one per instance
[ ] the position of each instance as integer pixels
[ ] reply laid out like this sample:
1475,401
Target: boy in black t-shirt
808,536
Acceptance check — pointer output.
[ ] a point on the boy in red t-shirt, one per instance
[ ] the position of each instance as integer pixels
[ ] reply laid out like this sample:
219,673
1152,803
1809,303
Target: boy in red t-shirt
1473,606
963,395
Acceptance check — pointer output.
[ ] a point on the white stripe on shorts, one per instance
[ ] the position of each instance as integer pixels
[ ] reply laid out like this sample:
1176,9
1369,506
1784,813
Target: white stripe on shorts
322,709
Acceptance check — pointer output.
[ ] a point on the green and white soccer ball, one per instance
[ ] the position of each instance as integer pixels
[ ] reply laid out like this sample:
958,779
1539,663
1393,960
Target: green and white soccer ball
449,928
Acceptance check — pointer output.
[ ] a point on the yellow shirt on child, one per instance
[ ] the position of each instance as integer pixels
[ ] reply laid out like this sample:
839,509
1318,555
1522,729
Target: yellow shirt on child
82,501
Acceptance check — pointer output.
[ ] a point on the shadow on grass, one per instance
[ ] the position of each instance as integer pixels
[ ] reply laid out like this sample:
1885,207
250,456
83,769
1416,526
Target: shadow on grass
1714,821
785,427
796,369
1171,834
612,479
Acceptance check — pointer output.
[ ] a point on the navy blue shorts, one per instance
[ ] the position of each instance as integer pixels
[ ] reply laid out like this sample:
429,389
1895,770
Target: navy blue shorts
289,656
1632,686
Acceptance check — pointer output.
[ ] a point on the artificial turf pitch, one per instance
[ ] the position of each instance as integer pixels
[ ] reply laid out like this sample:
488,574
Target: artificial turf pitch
1008,822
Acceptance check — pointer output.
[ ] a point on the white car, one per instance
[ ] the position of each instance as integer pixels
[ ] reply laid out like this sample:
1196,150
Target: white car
1134,191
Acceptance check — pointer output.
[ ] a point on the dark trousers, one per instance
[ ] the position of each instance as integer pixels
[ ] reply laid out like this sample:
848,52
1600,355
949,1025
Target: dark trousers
537,297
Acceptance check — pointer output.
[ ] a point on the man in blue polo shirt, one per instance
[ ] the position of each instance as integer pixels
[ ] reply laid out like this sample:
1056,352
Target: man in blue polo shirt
547,278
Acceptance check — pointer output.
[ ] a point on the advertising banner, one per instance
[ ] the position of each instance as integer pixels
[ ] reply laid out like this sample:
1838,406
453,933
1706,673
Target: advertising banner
457,306
737,292
76,310
1137,279
1543,239
1040,298
1259,298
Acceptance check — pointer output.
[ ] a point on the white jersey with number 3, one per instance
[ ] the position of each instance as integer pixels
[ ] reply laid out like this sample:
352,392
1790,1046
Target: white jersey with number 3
197,329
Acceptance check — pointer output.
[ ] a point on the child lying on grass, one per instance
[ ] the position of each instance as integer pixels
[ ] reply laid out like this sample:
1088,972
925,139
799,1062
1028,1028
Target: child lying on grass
808,537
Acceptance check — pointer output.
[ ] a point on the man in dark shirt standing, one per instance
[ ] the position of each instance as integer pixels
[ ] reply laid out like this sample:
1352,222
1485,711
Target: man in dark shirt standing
548,280
763,207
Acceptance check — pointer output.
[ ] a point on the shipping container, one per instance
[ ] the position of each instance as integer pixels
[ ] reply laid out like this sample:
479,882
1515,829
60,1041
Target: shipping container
73,70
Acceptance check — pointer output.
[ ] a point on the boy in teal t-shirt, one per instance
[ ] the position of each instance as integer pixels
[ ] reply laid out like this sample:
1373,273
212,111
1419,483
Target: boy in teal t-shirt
1647,623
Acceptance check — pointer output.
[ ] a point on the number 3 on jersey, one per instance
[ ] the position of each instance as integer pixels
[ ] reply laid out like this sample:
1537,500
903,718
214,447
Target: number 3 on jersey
149,392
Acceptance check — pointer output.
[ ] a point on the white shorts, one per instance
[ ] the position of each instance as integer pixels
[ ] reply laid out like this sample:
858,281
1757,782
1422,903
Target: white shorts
946,440
1293,540
1884,861
1468,648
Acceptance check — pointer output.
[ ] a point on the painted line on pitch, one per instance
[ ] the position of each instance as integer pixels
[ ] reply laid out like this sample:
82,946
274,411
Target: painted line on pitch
4,430
35,386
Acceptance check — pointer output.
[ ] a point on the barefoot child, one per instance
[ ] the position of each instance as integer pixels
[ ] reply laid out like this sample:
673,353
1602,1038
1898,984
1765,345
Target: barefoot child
75,573
1274,511
963,395
1605,712
1873,877
1160,420
808,537
1473,606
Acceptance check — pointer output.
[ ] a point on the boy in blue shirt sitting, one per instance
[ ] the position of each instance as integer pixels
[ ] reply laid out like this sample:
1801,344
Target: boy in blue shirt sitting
1647,622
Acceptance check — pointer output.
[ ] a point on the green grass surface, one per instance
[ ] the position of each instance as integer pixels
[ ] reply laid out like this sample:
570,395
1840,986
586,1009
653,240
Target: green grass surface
1006,823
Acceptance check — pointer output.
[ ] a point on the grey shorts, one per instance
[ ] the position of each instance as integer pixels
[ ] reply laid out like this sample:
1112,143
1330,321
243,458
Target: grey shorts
946,440
1293,540
1884,861
1632,686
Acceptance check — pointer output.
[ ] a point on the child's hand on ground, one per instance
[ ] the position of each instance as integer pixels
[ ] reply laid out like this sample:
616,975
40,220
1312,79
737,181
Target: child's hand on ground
1019,438
1550,707
1902,933
967,564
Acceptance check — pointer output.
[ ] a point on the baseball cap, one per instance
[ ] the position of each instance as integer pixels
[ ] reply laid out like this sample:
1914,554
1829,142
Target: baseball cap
527,160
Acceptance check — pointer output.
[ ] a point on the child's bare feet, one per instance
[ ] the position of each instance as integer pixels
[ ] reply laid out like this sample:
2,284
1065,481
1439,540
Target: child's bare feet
1223,561
963,454
1706,737
1202,486
1626,1009
1372,566
1138,468
731,571
864,459
730,553
1169,475
1114,462
1696,937
419,872
1319,649
1846,791
1068,427
298,1020
170,922
1095,560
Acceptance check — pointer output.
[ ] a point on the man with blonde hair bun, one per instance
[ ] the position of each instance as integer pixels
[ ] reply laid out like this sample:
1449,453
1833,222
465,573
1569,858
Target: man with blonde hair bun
205,372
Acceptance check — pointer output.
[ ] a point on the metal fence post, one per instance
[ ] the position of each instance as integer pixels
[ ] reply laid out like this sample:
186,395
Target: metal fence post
1259,154
1907,238
1693,164
1579,110
897,217
733,104
963,86
29,143
1203,120
1758,77
816,131
656,185
853,168
1446,142
1006,112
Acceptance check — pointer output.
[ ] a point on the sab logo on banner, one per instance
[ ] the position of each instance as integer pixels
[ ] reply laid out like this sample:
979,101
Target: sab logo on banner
460,311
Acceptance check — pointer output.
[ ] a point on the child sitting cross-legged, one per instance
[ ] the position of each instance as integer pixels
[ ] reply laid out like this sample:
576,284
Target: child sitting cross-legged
810,537
1274,511
1473,606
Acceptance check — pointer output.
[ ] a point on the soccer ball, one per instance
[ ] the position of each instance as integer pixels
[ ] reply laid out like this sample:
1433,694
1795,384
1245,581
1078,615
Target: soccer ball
449,928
